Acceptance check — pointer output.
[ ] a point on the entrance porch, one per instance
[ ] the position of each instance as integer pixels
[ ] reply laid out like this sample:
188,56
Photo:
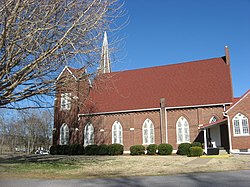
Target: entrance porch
215,136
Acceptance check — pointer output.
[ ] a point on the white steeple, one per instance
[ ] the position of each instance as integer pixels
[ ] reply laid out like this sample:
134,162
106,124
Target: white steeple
105,60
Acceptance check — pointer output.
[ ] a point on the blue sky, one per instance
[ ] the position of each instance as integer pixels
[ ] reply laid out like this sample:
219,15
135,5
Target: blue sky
164,32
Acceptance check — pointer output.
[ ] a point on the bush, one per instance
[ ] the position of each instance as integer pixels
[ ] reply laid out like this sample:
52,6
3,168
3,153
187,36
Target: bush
53,150
183,149
165,149
80,149
115,149
91,150
195,151
72,149
76,149
137,150
103,149
60,149
196,144
66,149
151,149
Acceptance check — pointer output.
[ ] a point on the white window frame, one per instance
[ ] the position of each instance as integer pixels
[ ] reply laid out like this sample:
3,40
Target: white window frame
89,134
213,119
64,134
148,132
240,118
117,133
182,130
65,101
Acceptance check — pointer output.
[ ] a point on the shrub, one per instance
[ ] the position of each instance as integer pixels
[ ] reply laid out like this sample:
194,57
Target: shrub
72,149
195,151
151,149
53,150
60,149
165,149
91,150
80,150
115,149
76,149
196,144
137,150
66,149
183,149
103,149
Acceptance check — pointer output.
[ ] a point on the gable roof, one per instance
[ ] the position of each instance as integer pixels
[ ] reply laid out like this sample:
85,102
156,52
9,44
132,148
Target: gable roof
238,100
208,125
74,72
200,82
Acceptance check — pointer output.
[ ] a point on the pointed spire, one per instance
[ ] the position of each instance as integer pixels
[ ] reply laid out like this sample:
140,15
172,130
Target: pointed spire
105,60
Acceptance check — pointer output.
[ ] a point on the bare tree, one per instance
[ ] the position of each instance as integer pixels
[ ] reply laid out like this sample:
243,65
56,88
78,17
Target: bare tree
29,130
38,37
2,132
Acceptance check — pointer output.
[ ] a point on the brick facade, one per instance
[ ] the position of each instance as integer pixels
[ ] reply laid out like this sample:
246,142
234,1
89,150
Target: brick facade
243,107
132,123
194,116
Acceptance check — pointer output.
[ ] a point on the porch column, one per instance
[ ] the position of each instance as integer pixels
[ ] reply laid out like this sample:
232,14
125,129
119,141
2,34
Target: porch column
205,140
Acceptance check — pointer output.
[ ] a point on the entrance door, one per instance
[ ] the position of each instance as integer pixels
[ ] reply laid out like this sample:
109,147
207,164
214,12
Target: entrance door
224,137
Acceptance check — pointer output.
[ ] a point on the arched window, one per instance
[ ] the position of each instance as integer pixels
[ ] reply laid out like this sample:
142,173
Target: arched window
117,133
213,119
148,132
182,130
241,125
88,134
64,134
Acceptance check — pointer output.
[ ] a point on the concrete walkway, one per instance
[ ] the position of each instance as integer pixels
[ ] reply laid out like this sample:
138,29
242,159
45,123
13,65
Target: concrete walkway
200,161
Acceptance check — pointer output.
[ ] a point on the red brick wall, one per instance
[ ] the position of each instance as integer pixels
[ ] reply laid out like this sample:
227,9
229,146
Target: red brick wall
128,120
243,107
136,119
70,117
194,116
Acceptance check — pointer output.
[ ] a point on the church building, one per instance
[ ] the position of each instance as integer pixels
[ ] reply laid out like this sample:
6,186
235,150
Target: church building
177,103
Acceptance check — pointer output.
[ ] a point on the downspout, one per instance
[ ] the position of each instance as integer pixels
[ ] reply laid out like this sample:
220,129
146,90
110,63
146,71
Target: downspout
78,111
166,123
229,131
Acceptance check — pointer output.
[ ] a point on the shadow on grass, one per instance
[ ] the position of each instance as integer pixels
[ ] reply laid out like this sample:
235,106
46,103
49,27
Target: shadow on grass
66,159
31,158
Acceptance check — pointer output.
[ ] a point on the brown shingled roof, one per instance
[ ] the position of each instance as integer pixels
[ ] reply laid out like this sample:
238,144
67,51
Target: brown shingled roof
186,84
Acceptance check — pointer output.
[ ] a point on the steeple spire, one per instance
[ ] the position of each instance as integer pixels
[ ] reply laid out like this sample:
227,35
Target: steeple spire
105,60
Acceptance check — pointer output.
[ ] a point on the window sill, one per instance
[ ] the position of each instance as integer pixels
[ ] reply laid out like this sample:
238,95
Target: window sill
64,109
182,142
147,143
118,143
241,135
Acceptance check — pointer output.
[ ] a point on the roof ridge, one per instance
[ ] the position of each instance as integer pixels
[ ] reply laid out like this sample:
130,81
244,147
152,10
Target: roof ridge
172,64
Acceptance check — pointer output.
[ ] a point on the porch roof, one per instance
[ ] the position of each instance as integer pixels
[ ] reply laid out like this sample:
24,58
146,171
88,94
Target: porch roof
219,122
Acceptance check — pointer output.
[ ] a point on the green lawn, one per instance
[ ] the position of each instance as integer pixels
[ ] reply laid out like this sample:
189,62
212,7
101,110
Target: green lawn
65,167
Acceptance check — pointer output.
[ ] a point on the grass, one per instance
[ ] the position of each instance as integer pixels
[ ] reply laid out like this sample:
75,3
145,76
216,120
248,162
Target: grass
68,167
